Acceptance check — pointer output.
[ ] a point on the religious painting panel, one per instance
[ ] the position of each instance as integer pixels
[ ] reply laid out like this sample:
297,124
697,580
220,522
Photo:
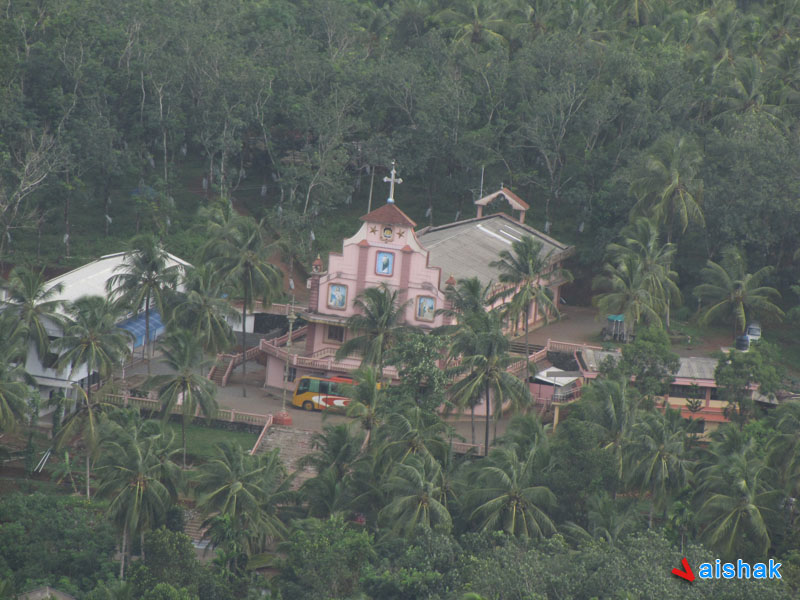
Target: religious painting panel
426,308
384,264
337,296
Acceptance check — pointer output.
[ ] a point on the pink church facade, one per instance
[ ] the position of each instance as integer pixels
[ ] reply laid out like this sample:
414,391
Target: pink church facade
386,249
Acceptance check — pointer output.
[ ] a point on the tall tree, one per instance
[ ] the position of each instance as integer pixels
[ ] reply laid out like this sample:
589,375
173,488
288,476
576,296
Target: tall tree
506,497
185,386
366,396
246,489
239,253
659,461
640,244
376,327
733,293
31,301
144,279
85,421
484,368
202,309
614,411
468,299
14,381
418,496
138,478
528,270
667,185
625,288
92,339
736,502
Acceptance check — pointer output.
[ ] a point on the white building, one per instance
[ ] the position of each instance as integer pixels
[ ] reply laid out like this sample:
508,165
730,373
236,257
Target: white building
89,280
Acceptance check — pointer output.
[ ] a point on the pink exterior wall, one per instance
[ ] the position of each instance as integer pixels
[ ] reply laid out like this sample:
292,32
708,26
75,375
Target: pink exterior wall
542,392
356,268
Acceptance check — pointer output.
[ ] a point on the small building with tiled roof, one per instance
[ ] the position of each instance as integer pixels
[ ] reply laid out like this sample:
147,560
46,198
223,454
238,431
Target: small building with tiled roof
694,380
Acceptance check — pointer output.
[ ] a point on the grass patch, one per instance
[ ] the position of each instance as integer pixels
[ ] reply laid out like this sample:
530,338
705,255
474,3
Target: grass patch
200,440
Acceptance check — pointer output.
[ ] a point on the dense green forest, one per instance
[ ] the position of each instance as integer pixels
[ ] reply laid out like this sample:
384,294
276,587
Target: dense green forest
113,113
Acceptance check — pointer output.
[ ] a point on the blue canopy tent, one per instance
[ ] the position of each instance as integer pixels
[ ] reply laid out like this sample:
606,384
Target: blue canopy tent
136,325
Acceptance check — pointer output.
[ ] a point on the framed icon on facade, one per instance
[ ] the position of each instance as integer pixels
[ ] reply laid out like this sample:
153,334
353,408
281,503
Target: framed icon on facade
387,233
337,296
426,308
384,264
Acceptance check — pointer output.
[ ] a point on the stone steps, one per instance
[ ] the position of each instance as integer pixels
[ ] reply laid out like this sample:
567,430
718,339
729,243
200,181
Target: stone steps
293,444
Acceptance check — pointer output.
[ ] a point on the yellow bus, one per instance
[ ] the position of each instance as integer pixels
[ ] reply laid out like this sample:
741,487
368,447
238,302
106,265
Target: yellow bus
321,393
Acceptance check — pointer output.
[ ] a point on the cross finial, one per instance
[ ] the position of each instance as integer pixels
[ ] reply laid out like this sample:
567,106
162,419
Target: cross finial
391,181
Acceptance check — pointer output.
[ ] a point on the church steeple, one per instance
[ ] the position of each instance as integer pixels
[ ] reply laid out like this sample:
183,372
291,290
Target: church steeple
389,213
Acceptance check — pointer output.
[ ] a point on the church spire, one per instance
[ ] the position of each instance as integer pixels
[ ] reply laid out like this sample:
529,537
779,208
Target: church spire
391,181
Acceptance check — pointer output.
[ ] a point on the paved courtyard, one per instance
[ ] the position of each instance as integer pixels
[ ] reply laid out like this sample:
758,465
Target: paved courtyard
578,325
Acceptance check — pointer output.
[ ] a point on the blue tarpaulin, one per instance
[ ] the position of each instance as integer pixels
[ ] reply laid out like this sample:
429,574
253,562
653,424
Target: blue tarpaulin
136,325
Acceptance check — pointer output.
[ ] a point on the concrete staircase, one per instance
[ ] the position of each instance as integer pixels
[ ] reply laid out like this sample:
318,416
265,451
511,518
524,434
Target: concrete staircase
193,527
293,444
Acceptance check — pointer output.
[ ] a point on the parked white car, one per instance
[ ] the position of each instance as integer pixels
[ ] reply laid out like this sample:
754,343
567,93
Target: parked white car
753,332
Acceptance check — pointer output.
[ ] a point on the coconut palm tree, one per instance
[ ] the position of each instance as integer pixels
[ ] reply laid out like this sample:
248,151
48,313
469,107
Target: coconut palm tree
609,519
614,411
415,432
248,490
527,270
736,501
668,186
468,299
92,339
734,294
658,460
625,288
202,309
335,448
366,396
484,368
240,256
326,494
143,280
376,327
505,496
418,497
136,476
185,386
32,303
84,422
525,431
640,244
14,380
784,447
475,21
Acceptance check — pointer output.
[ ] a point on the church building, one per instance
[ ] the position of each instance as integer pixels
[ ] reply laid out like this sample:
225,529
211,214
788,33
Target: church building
419,264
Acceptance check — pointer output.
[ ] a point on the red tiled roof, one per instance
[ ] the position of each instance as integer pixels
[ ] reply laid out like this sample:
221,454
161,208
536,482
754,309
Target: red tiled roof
389,214
515,201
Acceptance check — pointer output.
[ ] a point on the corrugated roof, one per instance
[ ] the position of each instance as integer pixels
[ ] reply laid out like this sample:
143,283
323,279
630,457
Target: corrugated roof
90,279
389,214
697,368
465,248
556,376
692,367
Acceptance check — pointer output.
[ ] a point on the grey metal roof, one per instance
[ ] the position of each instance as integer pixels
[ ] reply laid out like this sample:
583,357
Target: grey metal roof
465,248
690,368
697,368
